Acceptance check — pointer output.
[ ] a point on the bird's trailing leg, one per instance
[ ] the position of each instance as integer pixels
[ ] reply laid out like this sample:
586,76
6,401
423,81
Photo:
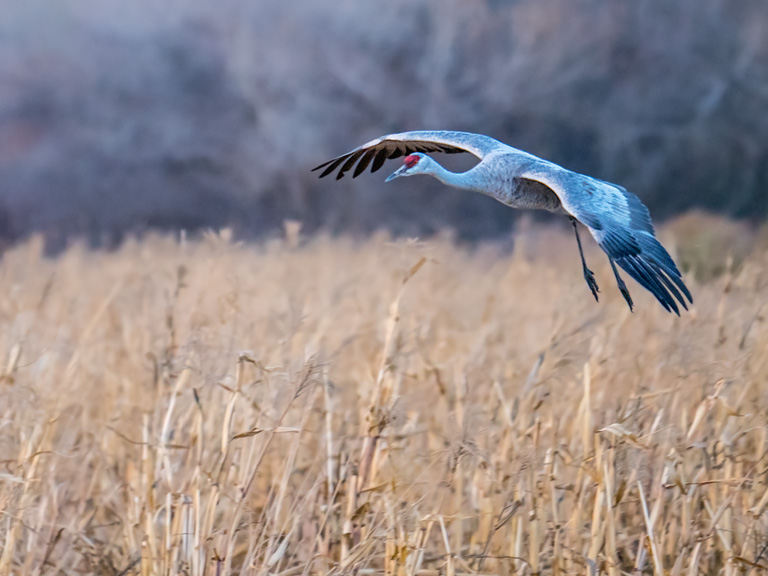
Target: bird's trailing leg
588,274
622,286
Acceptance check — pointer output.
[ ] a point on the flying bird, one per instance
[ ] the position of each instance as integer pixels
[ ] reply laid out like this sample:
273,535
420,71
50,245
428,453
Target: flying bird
616,218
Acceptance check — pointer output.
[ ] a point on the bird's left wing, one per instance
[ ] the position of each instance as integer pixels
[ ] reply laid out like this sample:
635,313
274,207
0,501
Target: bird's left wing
396,145
621,225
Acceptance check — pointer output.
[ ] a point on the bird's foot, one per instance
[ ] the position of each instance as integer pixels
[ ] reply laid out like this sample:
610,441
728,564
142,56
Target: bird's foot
591,282
627,297
622,286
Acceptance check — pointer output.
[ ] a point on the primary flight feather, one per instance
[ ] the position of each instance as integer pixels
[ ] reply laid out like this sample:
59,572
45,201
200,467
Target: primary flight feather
616,218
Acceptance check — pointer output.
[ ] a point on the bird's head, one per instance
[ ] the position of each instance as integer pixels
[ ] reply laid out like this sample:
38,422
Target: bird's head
416,163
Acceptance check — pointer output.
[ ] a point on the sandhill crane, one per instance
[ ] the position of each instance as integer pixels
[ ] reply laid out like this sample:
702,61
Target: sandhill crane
617,219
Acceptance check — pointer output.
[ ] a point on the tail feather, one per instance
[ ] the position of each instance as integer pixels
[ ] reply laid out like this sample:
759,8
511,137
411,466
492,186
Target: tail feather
642,257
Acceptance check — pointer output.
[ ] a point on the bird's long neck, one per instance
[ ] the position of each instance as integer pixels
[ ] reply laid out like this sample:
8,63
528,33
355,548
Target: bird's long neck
468,180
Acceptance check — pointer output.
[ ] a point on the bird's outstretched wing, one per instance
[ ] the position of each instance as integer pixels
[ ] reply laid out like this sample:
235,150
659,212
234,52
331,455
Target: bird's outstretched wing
621,225
396,145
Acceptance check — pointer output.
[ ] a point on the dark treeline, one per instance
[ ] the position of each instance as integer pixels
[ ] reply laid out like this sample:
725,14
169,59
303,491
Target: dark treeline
126,116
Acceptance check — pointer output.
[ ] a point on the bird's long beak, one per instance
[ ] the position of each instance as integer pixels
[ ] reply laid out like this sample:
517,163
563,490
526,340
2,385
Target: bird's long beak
397,173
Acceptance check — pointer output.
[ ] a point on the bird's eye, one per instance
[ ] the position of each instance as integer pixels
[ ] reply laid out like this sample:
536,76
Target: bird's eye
411,161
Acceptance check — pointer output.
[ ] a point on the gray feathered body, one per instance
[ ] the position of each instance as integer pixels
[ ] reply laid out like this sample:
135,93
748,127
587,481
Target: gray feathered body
502,178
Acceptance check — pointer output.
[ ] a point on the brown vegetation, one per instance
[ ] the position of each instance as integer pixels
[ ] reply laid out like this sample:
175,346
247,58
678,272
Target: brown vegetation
305,407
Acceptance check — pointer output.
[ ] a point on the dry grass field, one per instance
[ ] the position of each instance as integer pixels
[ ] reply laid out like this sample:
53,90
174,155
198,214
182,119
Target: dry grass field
326,405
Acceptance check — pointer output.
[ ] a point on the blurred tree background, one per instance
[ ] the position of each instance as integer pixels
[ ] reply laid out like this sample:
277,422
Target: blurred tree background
125,116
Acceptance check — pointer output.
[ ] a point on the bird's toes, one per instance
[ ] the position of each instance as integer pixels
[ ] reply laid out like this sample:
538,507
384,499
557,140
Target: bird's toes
592,283
595,289
628,298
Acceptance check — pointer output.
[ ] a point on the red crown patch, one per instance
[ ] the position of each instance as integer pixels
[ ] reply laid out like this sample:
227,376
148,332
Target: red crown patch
411,160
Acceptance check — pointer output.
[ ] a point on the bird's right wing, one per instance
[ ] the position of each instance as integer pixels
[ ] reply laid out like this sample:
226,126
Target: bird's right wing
396,145
621,225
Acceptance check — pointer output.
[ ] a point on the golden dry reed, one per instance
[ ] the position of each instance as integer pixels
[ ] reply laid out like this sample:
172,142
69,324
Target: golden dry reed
315,406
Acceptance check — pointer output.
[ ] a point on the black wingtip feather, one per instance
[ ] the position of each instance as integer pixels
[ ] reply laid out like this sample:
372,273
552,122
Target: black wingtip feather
363,164
323,165
378,162
379,152
333,165
349,163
